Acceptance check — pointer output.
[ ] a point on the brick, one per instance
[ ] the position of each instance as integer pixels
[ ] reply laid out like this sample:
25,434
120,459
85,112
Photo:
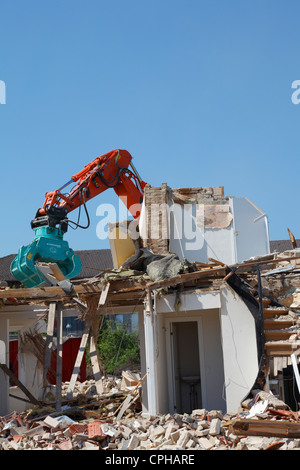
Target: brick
51,422
78,428
95,430
126,432
215,427
14,445
158,431
133,442
89,446
175,436
183,438
47,436
65,445
170,428
205,443
201,432
190,444
144,445
34,431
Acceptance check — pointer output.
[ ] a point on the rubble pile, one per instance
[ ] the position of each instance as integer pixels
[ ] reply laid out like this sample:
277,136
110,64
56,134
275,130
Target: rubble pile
263,423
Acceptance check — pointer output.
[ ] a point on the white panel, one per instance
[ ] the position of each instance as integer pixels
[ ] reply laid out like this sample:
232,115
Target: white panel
246,236
2,353
4,383
239,348
189,301
151,366
196,243
251,229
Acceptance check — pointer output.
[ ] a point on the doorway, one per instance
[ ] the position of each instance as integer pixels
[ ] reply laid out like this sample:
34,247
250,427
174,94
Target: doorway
185,365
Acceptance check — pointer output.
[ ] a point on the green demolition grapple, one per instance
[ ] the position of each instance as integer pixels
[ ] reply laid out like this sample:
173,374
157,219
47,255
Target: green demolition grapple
48,246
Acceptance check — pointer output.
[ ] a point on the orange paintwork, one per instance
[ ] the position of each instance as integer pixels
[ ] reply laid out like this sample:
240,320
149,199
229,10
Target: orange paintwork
114,170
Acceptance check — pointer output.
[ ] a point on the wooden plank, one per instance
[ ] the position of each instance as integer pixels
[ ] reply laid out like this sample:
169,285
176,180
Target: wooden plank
268,428
217,262
59,314
292,238
57,273
278,324
49,341
126,403
253,264
10,374
122,285
124,406
80,354
277,335
273,312
95,365
183,278
277,348
57,293
104,294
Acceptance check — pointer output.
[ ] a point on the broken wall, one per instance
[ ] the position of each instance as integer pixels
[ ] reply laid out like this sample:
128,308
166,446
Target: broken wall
201,223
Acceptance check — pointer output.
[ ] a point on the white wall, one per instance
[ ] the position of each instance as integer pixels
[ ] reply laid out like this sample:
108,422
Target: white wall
4,382
204,309
251,232
239,346
246,235
228,347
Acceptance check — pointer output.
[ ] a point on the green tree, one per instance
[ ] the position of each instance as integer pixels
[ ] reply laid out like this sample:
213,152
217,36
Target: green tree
118,349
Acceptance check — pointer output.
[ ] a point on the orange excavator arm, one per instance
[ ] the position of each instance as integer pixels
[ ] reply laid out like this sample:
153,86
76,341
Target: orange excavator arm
112,170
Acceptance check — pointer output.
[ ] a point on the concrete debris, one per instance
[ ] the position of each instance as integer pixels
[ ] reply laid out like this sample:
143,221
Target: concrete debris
76,428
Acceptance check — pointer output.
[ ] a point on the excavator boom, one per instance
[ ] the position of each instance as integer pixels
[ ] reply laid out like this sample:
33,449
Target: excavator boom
111,170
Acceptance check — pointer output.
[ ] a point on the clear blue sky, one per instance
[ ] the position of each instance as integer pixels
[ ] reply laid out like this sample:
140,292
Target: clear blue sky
199,92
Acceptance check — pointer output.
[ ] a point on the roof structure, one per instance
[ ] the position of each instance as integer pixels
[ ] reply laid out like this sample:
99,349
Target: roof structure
95,261
282,245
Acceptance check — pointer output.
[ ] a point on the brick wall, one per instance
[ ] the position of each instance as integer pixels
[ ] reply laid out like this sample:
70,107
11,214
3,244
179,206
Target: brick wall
156,200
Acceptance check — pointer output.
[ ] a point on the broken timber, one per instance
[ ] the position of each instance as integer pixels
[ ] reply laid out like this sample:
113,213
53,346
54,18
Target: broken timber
255,427
128,286
12,376
49,341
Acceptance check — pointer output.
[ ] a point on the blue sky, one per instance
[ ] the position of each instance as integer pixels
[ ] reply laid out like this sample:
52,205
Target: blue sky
199,92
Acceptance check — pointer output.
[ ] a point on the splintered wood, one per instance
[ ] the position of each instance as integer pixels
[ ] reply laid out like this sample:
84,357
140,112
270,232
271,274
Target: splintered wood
89,337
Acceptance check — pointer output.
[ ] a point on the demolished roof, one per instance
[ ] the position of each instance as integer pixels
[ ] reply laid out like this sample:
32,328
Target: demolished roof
93,262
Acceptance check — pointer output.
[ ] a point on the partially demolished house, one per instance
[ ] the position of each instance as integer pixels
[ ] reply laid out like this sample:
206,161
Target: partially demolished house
217,310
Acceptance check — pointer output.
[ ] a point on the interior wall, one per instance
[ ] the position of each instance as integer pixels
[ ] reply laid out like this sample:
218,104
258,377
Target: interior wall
251,232
239,345
196,243
245,233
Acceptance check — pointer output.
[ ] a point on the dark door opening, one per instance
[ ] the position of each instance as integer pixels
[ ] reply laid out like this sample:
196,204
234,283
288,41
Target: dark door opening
186,366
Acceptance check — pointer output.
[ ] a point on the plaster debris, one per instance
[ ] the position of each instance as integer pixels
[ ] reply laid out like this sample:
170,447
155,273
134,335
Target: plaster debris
80,428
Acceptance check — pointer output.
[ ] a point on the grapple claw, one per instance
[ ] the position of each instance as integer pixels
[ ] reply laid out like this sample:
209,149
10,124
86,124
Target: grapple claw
48,246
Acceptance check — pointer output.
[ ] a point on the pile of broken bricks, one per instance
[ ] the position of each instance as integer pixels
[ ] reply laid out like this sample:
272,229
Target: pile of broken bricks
263,423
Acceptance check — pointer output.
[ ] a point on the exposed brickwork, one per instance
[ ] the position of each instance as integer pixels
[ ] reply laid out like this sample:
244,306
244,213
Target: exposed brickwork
156,200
